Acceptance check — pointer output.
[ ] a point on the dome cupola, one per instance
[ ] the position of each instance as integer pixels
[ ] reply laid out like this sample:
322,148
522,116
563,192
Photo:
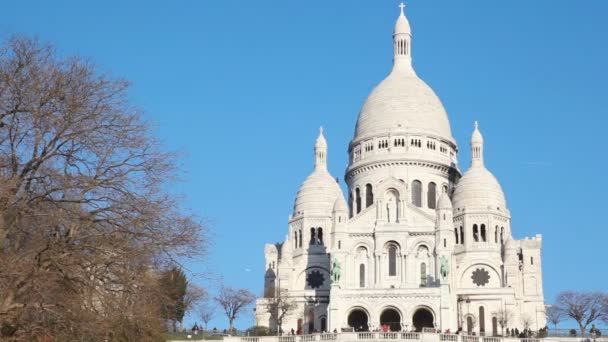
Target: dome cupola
478,188
403,104
318,193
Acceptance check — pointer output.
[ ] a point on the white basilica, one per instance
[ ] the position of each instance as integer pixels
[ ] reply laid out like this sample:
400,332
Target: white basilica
415,243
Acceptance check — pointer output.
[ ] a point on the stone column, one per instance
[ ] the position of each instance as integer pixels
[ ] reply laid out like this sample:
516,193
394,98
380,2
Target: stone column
403,268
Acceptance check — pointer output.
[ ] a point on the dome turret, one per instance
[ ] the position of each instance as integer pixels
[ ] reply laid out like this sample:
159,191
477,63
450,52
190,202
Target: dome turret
340,205
319,191
444,202
478,188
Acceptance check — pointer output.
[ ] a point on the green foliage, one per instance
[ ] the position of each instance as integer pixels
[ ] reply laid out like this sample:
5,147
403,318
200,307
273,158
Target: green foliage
173,284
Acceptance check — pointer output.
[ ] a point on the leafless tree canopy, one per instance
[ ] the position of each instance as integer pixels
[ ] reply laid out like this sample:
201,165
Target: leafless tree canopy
583,307
233,302
85,217
554,315
206,313
503,318
279,307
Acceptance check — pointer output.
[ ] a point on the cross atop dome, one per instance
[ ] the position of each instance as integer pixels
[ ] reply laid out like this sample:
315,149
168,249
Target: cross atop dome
402,6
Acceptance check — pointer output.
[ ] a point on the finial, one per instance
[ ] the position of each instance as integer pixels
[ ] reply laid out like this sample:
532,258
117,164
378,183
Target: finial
402,6
476,125
321,130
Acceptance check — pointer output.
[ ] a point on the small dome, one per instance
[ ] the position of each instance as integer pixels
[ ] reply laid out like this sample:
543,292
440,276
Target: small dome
444,202
340,205
317,195
478,188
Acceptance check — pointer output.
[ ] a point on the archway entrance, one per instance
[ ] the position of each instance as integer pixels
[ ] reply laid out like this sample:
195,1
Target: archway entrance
392,318
358,320
423,318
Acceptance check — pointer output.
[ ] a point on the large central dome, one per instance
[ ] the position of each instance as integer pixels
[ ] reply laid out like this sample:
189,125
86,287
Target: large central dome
402,102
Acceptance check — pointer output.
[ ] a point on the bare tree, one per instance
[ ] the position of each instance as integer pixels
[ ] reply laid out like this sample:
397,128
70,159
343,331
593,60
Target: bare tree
503,318
554,315
526,322
605,307
279,307
233,301
85,217
206,313
583,307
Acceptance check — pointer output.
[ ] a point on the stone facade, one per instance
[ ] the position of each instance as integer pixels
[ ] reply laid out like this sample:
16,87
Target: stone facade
415,243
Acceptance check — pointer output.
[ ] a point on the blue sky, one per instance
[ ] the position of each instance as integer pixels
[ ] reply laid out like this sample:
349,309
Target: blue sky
240,88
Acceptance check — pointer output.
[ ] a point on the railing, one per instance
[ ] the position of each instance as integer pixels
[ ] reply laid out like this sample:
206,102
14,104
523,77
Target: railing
389,335
410,336
491,339
465,338
328,337
366,336
401,336
250,339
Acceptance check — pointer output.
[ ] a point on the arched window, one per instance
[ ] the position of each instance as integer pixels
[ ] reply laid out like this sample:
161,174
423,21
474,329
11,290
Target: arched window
300,239
339,244
469,325
475,233
362,275
502,235
323,324
369,195
392,260
456,235
295,236
358,199
494,326
320,236
311,321
431,195
496,235
350,204
423,274
482,321
445,188
461,235
312,236
483,233
417,193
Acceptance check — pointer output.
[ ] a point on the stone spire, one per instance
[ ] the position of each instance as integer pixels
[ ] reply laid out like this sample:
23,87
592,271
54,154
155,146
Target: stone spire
402,42
321,151
476,147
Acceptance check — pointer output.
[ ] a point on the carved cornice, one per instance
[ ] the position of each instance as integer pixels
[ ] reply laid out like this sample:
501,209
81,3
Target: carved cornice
359,235
422,233
444,169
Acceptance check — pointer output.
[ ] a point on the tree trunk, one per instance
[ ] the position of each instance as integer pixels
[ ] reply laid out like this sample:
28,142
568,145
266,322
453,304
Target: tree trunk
231,327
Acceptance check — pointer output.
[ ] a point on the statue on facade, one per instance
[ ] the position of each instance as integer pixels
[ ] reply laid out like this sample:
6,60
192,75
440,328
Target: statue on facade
444,268
335,271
